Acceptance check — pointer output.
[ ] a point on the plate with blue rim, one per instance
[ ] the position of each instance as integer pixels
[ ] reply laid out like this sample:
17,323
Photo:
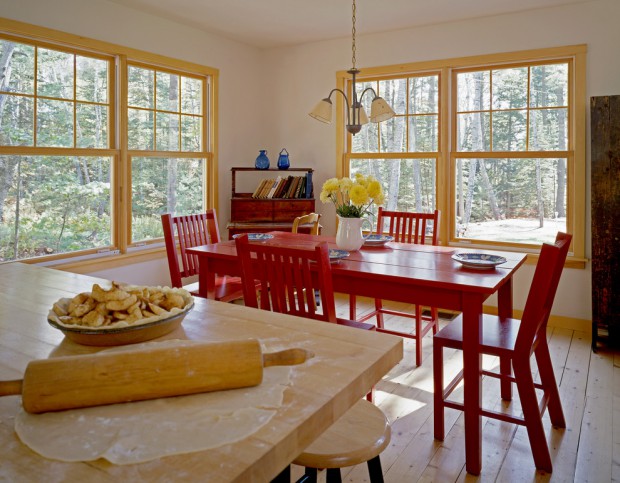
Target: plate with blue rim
255,236
335,254
478,261
377,240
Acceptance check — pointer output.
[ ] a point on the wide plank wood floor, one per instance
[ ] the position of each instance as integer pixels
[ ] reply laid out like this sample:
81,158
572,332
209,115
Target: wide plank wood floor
588,450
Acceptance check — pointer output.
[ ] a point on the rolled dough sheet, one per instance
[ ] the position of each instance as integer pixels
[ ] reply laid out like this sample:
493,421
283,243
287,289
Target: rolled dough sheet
146,430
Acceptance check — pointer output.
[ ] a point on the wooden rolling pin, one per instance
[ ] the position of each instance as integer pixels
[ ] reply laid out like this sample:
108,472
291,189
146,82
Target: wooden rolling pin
148,373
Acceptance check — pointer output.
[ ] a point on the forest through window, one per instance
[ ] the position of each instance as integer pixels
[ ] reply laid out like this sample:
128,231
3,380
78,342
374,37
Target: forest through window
508,152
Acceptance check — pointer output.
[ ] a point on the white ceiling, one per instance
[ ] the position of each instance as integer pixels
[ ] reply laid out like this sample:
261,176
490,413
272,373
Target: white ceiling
274,23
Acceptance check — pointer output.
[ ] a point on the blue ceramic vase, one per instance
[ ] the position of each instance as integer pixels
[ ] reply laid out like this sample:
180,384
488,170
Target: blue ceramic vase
262,161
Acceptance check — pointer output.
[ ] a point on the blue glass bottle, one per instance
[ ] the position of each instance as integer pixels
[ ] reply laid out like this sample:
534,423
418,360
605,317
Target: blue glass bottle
262,161
283,161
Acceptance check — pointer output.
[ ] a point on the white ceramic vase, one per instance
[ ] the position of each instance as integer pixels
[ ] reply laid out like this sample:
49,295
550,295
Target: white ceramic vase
349,234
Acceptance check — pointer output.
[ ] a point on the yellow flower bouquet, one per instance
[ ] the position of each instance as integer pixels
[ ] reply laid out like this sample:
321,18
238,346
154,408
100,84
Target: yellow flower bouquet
353,197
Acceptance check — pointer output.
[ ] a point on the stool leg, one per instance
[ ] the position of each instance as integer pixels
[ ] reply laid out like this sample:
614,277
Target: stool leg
284,476
310,476
352,307
374,470
333,475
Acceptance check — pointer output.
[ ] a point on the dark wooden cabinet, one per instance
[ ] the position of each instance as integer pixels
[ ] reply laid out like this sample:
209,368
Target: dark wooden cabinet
605,204
251,215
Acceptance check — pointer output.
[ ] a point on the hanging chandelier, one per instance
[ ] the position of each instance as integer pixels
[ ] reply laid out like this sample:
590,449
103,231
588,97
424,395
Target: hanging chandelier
356,116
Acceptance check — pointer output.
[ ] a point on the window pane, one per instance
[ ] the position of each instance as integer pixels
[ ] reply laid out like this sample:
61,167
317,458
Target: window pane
141,129
393,135
190,133
509,130
423,95
473,133
367,140
394,91
55,74
549,85
473,91
191,95
20,58
16,121
92,126
54,123
140,84
53,204
167,92
548,129
409,184
510,88
423,133
92,79
163,185
499,199
167,131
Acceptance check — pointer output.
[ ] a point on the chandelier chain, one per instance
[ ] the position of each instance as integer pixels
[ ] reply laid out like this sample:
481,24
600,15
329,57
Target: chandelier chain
353,36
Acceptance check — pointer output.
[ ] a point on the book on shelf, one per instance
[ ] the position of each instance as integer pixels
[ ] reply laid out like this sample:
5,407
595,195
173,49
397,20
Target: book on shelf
273,187
259,189
282,187
265,191
309,185
293,188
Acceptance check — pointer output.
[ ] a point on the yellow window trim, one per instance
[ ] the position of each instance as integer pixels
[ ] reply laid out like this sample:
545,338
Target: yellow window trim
56,39
575,180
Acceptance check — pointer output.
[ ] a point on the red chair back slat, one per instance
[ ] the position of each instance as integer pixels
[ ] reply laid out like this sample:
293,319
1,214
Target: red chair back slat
288,278
542,294
409,227
183,232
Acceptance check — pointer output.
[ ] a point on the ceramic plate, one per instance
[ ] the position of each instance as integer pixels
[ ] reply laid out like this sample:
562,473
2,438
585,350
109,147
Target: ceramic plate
478,261
255,236
337,254
374,240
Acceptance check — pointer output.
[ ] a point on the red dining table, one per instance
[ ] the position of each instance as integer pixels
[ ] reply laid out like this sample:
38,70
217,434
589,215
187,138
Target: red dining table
416,274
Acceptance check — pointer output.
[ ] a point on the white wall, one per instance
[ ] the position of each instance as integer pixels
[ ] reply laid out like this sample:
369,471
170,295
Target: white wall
293,79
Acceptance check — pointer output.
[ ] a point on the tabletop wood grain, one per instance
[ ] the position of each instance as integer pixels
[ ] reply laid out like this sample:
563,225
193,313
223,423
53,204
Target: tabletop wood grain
347,364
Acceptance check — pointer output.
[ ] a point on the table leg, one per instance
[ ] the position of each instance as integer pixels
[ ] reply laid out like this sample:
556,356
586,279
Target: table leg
472,367
206,279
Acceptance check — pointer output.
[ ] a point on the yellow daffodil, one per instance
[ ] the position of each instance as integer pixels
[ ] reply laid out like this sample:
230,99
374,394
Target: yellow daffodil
352,197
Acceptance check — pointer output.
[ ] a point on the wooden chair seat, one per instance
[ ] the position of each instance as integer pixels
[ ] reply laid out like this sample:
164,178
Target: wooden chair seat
359,436
514,342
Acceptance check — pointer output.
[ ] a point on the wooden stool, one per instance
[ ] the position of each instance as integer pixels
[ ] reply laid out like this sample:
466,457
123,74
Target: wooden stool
360,435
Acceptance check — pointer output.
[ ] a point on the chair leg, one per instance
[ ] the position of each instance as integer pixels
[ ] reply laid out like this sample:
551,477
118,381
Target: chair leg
505,369
547,378
531,414
418,335
374,470
333,475
352,307
438,408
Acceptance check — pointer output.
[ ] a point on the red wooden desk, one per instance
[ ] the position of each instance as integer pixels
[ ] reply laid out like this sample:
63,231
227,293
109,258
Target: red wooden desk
404,273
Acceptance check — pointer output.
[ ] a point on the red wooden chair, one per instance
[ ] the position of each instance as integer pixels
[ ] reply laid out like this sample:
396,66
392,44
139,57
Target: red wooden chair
191,231
514,342
286,275
418,228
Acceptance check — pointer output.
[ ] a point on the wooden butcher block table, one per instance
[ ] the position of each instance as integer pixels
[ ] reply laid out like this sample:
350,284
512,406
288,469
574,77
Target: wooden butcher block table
346,364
